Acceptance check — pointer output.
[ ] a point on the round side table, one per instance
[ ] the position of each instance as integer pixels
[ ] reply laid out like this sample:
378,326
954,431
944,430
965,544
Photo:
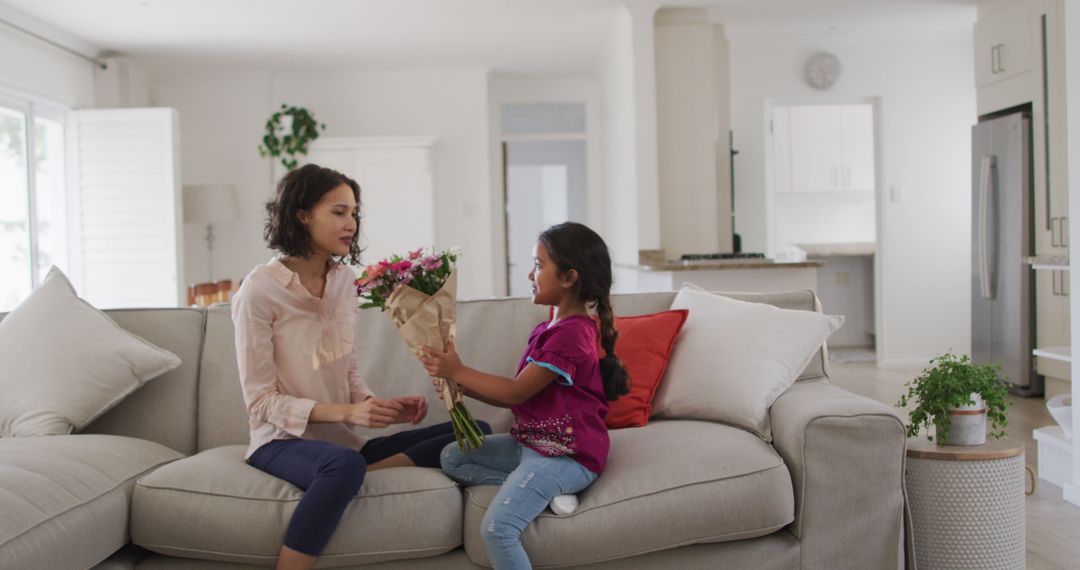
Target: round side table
967,504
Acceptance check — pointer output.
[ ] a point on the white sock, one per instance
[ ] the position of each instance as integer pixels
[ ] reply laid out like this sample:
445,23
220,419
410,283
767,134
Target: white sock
564,504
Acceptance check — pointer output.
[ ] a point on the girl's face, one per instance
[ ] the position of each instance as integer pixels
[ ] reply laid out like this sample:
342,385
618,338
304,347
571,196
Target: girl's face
548,287
332,222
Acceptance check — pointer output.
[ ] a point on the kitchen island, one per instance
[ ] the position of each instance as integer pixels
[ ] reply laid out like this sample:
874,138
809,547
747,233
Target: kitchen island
654,272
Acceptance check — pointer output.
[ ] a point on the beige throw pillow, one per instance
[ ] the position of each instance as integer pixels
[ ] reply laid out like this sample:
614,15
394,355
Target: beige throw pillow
65,363
733,359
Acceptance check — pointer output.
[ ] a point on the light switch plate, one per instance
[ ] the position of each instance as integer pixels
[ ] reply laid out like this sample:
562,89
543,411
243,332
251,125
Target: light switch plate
896,194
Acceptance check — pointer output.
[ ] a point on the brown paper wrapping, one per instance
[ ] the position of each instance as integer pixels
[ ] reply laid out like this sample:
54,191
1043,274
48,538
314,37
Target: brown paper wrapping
427,320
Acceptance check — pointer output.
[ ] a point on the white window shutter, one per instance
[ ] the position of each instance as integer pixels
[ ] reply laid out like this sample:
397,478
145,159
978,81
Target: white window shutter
125,209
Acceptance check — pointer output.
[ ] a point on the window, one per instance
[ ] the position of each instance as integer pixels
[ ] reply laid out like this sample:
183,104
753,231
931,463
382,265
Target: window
33,197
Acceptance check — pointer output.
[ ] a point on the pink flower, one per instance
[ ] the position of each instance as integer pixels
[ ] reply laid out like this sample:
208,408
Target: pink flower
402,267
416,254
431,263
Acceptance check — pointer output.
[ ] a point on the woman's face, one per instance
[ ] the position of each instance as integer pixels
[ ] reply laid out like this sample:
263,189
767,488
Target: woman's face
548,287
332,222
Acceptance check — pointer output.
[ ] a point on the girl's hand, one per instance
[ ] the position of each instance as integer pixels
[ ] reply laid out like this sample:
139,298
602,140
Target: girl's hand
373,413
438,388
414,410
441,364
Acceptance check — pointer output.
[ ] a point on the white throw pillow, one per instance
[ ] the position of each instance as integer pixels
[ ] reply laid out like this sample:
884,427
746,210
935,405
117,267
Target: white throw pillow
65,363
733,359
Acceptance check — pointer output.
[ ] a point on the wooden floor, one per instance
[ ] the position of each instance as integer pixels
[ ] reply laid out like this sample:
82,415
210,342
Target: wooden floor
1053,525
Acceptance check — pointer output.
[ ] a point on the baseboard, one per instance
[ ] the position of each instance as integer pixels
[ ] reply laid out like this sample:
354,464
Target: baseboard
895,363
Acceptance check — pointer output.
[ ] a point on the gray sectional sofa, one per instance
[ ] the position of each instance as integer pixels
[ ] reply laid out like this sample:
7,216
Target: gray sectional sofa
159,482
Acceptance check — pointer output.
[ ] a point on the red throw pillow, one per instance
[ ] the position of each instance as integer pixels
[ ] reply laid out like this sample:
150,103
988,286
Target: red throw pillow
644,347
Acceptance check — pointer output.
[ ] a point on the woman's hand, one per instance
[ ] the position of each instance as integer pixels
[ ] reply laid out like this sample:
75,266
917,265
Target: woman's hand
413,410
374,413
441,364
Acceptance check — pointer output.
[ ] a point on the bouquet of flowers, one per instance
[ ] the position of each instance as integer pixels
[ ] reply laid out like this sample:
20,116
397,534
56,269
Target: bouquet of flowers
420,291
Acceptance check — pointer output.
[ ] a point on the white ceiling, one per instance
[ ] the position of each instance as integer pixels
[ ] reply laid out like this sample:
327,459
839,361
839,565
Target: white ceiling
529,37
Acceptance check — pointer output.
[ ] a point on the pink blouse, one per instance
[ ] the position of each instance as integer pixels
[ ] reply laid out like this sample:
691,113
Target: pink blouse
294,350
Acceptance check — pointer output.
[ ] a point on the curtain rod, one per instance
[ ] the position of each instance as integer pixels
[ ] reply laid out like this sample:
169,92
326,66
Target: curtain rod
97,62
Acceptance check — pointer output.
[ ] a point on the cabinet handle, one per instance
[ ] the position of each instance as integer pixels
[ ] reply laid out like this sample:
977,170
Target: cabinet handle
1063,231
1065,280
1054,232
993,60
1001,58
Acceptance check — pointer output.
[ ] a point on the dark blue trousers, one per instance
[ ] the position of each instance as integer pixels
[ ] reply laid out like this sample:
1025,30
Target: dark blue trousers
331,474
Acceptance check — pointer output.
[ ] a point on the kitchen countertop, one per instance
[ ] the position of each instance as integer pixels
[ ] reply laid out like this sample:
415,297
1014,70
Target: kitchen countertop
1048,261
654,260
838,249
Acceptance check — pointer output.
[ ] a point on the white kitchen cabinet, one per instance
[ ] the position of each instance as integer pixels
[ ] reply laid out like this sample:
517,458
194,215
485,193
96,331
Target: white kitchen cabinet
857,126
1002,43
781,147
1052,326
823,148
1050,173
816,142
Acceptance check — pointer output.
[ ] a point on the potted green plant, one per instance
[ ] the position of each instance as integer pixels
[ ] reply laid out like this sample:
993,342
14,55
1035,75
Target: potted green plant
288,133
957,398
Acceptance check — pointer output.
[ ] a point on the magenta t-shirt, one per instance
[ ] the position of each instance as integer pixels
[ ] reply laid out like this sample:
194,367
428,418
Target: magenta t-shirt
567,416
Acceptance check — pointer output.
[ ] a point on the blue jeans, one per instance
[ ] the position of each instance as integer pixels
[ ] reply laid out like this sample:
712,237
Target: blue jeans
331,474
529,481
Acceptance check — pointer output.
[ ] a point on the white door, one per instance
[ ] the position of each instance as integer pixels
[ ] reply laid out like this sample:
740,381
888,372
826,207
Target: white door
545,185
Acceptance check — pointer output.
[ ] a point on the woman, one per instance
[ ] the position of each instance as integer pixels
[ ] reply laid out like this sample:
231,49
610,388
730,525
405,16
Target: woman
295,319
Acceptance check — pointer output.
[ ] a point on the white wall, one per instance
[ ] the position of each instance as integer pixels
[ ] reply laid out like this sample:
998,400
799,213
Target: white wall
824,217
36,68
222,117
926,87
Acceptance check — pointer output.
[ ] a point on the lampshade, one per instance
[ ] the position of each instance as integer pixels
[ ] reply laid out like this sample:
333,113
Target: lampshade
210,203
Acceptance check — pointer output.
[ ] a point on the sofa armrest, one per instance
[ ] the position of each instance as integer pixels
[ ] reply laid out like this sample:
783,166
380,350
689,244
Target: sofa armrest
846,458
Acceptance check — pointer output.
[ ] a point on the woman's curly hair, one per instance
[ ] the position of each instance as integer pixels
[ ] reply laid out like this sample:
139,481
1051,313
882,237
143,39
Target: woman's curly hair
300,190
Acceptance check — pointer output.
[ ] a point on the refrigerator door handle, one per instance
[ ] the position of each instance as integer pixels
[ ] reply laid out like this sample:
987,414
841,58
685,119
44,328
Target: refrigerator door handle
986,182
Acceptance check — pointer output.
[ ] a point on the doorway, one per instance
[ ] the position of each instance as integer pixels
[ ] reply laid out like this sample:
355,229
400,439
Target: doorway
824,201
544,178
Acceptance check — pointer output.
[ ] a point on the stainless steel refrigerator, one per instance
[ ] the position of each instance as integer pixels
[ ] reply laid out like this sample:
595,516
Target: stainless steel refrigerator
1002,298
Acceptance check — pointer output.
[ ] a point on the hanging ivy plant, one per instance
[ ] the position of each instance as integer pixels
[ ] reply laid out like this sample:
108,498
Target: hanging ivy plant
289,131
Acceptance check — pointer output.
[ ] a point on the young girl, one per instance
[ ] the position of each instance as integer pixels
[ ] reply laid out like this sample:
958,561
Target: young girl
558,444
295,319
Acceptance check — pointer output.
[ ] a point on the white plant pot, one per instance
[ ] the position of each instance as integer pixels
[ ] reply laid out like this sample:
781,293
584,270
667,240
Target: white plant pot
968,423
1060,408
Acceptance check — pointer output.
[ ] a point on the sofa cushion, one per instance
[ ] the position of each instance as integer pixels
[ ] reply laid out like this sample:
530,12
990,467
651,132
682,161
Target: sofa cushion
734,358
644,346
214,506
66,497
162,411
667,484
66,363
